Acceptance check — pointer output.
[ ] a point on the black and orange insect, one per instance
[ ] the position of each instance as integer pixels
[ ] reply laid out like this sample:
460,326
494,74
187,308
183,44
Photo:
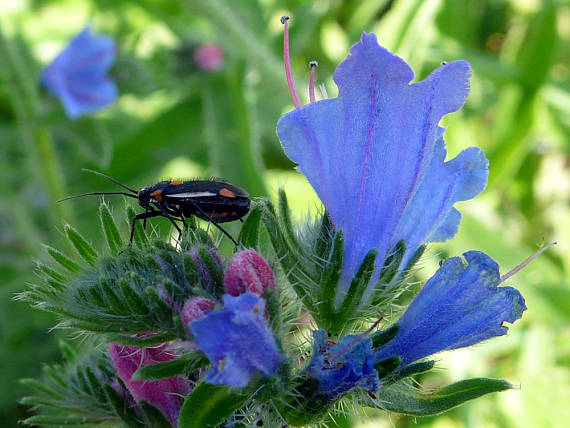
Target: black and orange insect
211,200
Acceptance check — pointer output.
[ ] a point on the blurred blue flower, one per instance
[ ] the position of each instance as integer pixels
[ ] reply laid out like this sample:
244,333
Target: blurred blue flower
237,341
375,154
78,74
458,307
339,368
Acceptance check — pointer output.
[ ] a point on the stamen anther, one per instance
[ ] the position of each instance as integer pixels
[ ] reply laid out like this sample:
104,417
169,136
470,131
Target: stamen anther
520,267
313,65
287,61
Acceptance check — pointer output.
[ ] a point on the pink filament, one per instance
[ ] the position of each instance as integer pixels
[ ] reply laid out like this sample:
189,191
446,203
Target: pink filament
287,60
520,267
313,65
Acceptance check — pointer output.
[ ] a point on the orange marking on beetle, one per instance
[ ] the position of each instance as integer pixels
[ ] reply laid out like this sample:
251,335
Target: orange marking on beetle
227,193
234,213
157,195
176,183
222,214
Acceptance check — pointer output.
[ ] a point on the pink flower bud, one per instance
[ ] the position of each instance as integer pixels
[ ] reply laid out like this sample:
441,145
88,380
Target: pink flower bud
194,309
248,271
209,57
164,394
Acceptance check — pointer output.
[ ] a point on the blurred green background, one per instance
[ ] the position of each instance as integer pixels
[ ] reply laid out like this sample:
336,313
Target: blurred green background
174,120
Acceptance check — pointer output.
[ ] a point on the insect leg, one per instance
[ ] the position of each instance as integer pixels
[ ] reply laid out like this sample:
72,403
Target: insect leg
214,223
142,216
166,214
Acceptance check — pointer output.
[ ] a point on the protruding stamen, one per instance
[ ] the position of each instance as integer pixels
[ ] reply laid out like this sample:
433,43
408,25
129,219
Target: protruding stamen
287,60
517,269
313,65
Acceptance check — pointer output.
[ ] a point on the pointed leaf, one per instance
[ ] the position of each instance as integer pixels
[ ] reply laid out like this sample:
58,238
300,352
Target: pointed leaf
184,364
83,248
209,406
112,234
401,398
249,234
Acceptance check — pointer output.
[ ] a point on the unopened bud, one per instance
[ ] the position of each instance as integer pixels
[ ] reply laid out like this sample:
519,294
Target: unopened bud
209,57
194,309
248,271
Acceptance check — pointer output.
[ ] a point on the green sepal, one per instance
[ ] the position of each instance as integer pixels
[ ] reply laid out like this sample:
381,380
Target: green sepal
390,268
141,342
392,263
209,406
59,420
183,364
413,369
405,399
110,229
285,221
83,248
214,269
140,237
380,338
249,234
123,411
132,298
161,309
52,273
273,309
358,286
323,241
153,416
296,274
387,366
62,259
329,285
409,266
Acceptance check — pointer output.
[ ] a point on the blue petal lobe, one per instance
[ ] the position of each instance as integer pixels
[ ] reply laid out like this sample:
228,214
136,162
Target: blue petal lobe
375,154
459,306
341,367
78,74
237,341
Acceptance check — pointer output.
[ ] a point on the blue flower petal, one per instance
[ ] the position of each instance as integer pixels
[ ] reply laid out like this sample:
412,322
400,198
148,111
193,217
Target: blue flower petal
459,306
78,74
339,368
375,154
237,341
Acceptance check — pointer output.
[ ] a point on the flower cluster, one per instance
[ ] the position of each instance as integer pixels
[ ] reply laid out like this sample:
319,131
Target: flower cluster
203,340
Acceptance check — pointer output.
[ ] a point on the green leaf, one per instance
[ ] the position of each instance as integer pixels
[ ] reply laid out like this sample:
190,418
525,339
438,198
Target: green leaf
112,234
403,398
83,248
142,342
126,413
140,237
358,286
58,420
209,406
62,259
329,283
181,365
249,234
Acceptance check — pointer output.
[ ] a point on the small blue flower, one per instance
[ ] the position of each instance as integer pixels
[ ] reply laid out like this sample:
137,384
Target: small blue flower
339,368
375,154
237,341
78,74
458,307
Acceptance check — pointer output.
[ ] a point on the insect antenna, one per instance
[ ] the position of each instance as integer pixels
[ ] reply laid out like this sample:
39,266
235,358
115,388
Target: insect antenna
97,193
110,179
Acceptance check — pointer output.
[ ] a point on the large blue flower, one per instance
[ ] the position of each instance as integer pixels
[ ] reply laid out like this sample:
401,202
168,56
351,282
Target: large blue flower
459,306
237,341
375,154
341,367
78,74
